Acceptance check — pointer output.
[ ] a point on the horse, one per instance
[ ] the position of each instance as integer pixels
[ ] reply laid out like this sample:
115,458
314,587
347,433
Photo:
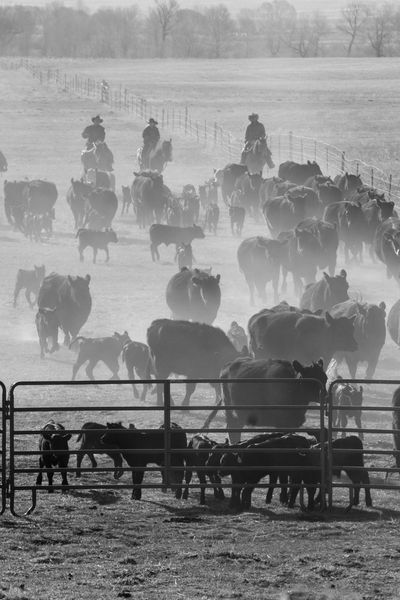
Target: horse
157,158
99,157
257,156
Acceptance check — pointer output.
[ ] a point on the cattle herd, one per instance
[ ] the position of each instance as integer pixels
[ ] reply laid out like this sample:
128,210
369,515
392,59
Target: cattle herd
308,217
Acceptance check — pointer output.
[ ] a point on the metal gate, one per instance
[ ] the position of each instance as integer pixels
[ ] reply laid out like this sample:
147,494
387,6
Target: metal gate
3,447
17,466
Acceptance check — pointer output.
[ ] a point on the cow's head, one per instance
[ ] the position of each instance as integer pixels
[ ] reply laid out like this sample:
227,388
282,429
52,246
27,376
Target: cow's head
341,332
111,235
313,371
40,273
198,232
386,208
122,338
373,321
338,286
79,284
80,188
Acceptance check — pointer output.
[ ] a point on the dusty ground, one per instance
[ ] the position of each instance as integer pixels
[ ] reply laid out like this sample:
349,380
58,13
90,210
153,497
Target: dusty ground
82,545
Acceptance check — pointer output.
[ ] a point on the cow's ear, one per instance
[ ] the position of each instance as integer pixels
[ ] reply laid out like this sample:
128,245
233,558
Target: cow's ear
326,276
320,363
70,278
382,305
87,278
298,367
329,318
218,278
47,435
67,436
343,274
361,389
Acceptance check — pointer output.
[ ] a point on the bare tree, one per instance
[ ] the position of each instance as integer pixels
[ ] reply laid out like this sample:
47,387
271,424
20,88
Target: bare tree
165,13
9,28
277,20
381,27
305,38
354,17
220,28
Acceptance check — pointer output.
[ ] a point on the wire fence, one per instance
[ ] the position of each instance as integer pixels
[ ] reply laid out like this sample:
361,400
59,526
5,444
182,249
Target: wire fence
284,146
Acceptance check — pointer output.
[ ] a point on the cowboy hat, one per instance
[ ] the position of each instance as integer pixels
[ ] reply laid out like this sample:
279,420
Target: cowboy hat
97,119
151,120
253,116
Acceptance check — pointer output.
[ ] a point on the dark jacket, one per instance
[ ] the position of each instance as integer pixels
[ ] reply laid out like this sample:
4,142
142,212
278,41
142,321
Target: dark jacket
151,135
94,133
254,131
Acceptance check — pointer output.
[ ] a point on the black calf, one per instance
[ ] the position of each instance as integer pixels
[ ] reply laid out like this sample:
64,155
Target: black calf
53,444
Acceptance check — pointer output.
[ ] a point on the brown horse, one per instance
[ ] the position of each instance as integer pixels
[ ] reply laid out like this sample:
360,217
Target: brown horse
257,156
98,157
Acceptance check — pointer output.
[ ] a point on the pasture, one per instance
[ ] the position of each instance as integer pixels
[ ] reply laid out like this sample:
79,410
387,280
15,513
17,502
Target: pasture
91,543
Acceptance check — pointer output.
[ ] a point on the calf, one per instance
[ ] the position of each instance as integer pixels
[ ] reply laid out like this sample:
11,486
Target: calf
167,234
237,216
47,324
136,357
106,349
126,199
34,225
98,240
184,255
90,438
212,218
349,400
53,445
29,281
139,448
202,446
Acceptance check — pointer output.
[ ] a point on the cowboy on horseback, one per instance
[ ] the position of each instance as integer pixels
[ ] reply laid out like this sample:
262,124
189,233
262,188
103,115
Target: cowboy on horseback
151,137
94,133
254,131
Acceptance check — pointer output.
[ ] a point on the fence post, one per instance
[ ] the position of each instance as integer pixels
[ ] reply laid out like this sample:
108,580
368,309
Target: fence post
357,168
372,177
290,145
315,150
186,119
167,432
301,150
390,185
343,161
327,159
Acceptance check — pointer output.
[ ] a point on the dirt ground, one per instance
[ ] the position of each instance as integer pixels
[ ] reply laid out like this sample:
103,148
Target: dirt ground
98,543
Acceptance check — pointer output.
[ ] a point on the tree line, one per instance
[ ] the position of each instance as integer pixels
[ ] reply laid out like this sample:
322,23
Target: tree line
167,30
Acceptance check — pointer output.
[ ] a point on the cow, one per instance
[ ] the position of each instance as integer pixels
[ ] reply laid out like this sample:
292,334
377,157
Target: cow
292,335
3,163
237,336
248,185
263,395
196,350
105,349
351,224
313,205
396,425
77,198
348,184
387,246
212,218
126,199
326,190
41,197
136,357
34,225
284,212
127,441
148,195
348,399
53,445
105,204
15,202
325,293
237,216
167,234
47,324
199,449
365,194
369,333
376,212
208,193
226,178
260,260
97,240
184,256
90,443
30,281
312,245
71,297
298,173
393,322
194,295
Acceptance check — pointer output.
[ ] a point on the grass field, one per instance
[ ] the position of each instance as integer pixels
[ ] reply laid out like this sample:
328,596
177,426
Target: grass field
88,543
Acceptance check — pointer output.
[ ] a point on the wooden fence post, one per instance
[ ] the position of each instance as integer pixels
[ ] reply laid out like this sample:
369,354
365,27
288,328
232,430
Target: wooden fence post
290,145
372,177
390,185
343,162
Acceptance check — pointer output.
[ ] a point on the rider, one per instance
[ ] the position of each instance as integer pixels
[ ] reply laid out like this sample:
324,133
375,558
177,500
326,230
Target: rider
151,137
94,133
254,131
105,88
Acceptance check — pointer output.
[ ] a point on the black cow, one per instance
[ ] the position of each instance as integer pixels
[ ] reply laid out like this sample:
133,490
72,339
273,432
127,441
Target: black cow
129,440
30,281
260,260
90,438
168,234
376,212
77,199
298,173
212,218
196,350
237,216
148,196
325,293
387,246
47,325
194,295
15,202
105,349
136,357
71,297
329,193
284,212
97,240
53,445
348,184
202,446
292,335
41,197
351,224
35,225
369,333
226,178
126,199
101,206
248,185
348,398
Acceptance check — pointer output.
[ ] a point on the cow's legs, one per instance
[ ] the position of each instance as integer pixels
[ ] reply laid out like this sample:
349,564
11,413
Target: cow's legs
79,362
28,297
17,290
190,387
352,365
107,254
113,365
94,254
275,287
137,479
81,249
357,418
89,369
131,375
